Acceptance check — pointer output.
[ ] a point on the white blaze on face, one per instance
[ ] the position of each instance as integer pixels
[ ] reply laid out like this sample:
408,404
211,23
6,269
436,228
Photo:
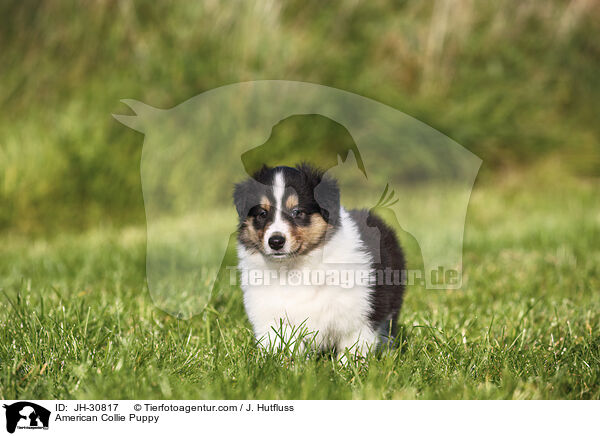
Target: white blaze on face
279,225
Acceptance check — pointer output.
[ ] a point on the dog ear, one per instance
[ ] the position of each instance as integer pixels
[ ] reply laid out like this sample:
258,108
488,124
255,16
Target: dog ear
327,195
246,196
241,193
325,191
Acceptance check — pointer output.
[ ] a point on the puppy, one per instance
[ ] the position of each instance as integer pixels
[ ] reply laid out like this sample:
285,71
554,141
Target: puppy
307,264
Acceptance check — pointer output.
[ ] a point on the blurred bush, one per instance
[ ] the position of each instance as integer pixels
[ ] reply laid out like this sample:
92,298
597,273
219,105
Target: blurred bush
514,81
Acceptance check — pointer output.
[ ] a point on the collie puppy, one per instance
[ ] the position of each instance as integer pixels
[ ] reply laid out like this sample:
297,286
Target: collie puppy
313,273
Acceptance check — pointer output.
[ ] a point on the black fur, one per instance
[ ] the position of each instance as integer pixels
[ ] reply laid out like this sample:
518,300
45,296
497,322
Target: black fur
246,195
384,246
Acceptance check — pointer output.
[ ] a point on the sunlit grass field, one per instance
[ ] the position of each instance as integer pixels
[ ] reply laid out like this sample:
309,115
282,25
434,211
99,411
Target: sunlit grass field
514,82
77,321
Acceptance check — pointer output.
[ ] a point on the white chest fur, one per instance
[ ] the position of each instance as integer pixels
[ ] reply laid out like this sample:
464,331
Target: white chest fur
293,294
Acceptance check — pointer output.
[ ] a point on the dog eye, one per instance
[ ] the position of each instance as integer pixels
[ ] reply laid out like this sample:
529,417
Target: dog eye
298,213
259,213
262,214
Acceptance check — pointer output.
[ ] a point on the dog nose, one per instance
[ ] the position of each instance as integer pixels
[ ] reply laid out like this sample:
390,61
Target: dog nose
276,241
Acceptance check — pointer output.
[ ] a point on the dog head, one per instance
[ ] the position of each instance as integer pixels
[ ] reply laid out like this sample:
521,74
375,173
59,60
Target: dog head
286,212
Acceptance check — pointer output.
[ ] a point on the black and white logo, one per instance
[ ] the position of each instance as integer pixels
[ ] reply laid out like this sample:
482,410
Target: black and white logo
26,415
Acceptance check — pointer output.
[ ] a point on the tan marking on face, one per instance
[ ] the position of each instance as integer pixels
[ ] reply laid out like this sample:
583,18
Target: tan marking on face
250,236
292,201
265,203
306,238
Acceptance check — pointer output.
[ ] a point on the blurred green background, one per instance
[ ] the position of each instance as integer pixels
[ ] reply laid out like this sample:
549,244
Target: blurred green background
515,82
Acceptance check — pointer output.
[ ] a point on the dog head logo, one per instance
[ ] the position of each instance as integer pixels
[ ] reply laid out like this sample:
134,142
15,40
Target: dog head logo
192,157
26,415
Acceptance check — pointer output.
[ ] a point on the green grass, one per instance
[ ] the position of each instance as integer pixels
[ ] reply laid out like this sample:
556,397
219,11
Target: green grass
515,82
77,321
